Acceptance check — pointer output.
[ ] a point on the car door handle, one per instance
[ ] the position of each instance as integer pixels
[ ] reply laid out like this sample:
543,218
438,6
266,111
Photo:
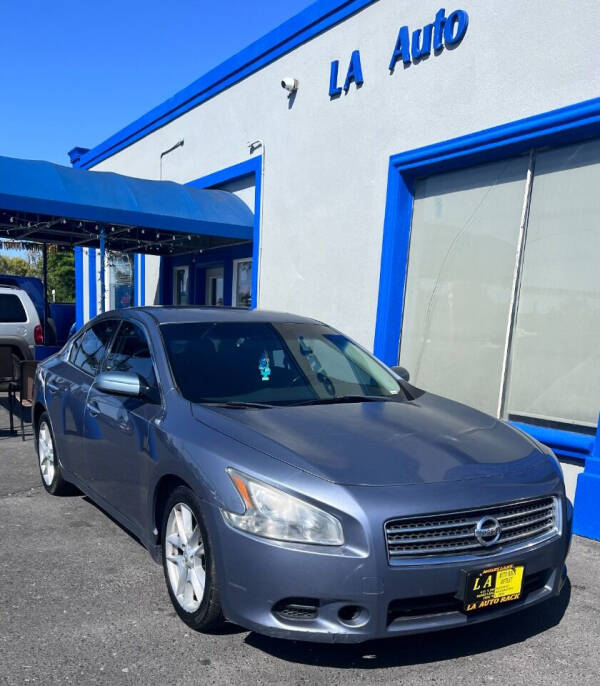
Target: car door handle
93,408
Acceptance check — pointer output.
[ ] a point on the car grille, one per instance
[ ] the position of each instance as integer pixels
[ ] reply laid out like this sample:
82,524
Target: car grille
453,533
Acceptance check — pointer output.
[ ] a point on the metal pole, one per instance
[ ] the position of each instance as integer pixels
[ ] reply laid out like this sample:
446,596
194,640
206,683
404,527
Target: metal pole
102,253
45,276
516,286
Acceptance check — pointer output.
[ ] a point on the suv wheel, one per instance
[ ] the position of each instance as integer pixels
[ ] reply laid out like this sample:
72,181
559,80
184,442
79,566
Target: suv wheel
188,562
50,470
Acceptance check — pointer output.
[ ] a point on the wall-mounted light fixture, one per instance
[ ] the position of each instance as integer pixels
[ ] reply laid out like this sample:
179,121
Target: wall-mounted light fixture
290,84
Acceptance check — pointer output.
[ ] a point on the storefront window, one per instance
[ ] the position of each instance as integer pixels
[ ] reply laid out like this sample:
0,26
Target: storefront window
462,256
242,282
555,363
120,279
538,361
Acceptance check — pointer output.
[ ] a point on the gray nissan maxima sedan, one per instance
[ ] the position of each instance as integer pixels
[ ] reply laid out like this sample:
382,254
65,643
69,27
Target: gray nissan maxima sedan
291,483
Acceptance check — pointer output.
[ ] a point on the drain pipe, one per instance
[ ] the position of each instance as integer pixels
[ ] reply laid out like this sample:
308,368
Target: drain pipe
259,143
179,144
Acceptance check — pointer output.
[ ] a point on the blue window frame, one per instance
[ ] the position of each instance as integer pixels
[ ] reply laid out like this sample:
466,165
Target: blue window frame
251,166
565,125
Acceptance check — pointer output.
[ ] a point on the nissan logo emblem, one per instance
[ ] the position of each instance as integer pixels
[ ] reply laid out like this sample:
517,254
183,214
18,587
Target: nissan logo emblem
487,531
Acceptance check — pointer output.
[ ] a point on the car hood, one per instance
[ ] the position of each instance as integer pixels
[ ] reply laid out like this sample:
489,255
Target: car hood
428,440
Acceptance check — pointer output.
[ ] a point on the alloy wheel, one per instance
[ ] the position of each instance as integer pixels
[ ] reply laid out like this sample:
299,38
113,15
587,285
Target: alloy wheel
184,553
46,454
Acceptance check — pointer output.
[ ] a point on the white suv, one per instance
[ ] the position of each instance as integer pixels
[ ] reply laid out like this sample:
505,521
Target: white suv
20,325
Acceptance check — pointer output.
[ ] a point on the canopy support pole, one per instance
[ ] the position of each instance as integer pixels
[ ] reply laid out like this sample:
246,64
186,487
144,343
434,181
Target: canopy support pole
102,260
45,280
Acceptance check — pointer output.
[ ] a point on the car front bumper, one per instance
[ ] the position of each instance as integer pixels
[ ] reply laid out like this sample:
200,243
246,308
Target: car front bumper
259,577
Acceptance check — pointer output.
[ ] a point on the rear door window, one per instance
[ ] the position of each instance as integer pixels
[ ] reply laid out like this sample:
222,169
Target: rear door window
88,350
11,309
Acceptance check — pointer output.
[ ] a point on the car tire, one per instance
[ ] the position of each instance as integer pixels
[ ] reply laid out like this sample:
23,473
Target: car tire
48,462
189,563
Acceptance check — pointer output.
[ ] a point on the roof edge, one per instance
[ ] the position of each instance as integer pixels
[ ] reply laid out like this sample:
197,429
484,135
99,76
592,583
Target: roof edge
295,31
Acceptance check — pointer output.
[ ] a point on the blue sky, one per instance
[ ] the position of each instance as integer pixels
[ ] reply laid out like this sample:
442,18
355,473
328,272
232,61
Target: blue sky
76,71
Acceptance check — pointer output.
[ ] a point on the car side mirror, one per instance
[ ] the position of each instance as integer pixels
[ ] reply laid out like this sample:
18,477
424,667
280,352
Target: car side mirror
119,383
402,372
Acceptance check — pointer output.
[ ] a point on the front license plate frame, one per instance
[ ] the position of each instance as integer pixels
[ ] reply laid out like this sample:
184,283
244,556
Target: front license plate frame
492,587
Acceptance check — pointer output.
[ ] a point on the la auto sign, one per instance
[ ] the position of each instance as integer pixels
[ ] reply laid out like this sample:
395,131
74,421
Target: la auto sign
443,32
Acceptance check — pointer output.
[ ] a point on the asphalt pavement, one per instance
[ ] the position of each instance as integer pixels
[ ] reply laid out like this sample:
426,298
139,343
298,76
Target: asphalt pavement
82,602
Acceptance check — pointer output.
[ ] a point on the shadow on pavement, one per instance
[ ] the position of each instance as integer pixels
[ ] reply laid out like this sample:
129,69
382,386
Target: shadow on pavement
422,648
116,522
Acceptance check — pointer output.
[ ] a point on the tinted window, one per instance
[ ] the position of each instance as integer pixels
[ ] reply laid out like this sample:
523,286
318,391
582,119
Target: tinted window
11,308
130,353
88,350
268,363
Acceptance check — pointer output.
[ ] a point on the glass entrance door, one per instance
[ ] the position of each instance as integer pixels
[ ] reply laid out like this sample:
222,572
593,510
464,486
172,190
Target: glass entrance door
180,285
242,282
214,286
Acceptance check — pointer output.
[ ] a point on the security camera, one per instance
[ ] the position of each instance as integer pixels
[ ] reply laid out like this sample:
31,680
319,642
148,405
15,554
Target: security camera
290,84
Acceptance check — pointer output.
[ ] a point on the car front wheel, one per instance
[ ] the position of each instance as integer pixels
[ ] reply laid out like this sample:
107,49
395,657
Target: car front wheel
188,562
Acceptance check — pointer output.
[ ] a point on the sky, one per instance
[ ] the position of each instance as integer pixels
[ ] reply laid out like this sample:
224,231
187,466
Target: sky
76,71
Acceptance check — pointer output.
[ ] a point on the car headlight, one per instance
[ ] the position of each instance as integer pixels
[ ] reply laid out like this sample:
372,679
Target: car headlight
275,514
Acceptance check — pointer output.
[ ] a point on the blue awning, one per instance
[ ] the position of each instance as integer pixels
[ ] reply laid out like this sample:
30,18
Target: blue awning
45,202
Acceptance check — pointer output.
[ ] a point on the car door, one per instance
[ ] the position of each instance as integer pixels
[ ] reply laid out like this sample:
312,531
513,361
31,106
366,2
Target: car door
116,445
68,382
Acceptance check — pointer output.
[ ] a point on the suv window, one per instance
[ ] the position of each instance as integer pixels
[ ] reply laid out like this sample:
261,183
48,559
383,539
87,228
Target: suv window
130,352
88,350
11,308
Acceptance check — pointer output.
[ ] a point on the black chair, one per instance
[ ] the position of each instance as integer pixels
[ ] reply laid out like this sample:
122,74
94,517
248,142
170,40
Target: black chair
28,369
8,380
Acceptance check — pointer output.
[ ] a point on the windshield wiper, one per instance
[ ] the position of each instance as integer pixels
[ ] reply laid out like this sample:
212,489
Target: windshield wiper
242,404
344,399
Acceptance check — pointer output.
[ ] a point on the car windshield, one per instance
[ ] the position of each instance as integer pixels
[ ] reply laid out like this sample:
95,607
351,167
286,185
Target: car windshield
273,364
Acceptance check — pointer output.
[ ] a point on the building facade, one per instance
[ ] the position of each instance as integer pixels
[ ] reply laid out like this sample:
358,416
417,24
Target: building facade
429,188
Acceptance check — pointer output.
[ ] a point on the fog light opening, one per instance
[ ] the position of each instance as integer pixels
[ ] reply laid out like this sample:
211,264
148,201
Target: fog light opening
353,615
296,609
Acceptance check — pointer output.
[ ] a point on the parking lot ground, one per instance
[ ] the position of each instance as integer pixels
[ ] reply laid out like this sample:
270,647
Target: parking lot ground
82,602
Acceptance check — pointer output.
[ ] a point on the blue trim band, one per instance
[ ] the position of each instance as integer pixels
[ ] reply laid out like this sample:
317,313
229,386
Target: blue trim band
568,443
236,171
93,297
78,287
558,127
312,21
136,279
586,517
142,279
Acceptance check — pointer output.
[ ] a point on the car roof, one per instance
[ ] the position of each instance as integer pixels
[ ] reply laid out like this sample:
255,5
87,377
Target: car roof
10,288
187,313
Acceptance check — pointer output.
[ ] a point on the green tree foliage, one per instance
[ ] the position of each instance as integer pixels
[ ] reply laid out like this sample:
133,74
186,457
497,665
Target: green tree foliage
61,276
15,266
61,271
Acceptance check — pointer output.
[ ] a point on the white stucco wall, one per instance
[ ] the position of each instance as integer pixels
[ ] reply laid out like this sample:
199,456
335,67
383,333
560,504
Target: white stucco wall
152,272
326,161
